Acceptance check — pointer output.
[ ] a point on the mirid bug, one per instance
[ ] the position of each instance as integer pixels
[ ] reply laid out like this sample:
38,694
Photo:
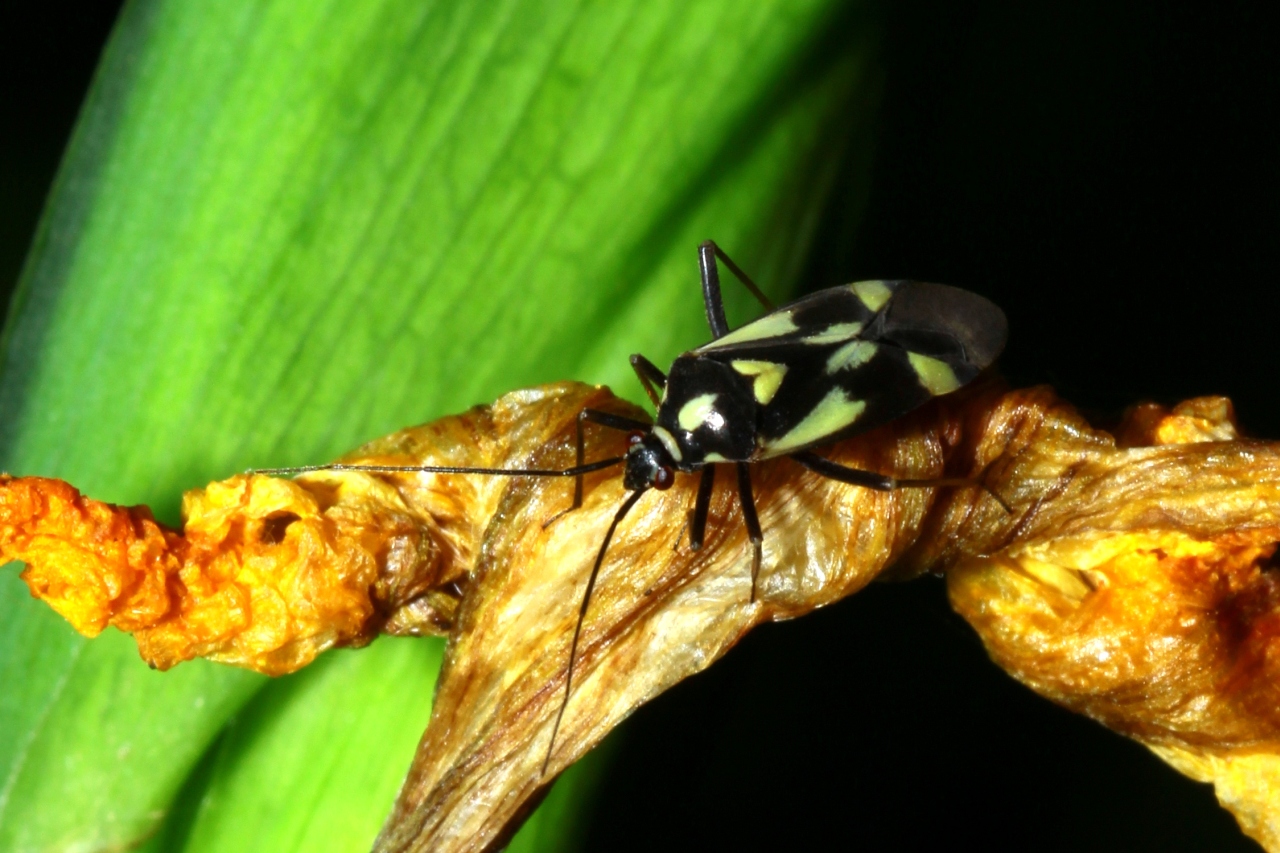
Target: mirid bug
817,370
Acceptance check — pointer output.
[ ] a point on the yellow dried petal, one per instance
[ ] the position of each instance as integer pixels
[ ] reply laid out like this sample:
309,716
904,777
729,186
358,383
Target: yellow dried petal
1133,582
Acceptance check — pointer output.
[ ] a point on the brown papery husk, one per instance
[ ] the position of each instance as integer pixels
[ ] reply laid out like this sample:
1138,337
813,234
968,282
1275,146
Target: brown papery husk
1130,583
659,613
1207,705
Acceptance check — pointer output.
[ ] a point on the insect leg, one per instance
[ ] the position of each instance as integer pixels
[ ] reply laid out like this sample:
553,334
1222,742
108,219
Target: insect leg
604,419
883,483
843,473
612,421
753,523
653,379
700,507
711,298
957,481
582,615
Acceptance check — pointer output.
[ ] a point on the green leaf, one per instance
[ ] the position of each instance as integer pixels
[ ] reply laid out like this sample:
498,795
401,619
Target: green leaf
283,228
318,774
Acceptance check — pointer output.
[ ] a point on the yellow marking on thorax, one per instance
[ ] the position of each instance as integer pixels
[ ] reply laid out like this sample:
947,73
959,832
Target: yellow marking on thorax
851,355
834,333
936,376
874,294
669,442
768,377
832,414
768,326
698,411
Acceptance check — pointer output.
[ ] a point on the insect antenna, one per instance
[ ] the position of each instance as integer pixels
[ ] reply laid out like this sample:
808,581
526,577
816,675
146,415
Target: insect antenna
575,471
582,615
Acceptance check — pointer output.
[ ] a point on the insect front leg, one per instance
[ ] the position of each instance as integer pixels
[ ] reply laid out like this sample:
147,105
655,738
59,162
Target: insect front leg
604,419
711,296
653,379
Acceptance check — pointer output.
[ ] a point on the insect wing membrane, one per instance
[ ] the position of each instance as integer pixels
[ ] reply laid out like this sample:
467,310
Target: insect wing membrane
848,359
962,328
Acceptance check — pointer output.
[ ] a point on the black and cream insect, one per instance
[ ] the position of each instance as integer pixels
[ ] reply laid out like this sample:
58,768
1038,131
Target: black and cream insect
819,369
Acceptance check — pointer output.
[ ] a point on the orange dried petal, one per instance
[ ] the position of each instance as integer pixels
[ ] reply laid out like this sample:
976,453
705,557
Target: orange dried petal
1197,419
95,564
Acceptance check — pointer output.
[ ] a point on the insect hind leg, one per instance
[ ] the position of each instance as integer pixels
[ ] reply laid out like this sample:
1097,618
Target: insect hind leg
712,299
884,483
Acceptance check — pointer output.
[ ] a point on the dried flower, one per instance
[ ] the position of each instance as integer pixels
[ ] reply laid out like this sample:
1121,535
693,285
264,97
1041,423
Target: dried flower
1132,582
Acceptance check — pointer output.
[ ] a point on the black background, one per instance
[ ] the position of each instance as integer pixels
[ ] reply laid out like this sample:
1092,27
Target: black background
1107,173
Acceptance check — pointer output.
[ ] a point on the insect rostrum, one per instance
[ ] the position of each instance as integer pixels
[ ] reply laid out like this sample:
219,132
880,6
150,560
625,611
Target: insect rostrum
819,369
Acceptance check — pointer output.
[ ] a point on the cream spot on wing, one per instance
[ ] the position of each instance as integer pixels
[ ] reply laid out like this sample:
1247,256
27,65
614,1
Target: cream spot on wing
698,411
874,294
832,414
768,376
669,442
936,376
834,334
768,326
851,355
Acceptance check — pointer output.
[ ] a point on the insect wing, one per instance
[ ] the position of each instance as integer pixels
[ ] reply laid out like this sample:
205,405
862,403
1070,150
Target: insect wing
963,329
848,359
835,313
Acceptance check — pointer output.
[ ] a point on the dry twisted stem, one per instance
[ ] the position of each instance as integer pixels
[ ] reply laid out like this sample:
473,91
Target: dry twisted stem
1131,584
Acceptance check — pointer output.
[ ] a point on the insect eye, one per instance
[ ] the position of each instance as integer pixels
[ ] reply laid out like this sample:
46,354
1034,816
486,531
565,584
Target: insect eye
663,478
634,438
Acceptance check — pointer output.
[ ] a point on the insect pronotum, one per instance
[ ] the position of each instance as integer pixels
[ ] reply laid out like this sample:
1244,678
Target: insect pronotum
824,367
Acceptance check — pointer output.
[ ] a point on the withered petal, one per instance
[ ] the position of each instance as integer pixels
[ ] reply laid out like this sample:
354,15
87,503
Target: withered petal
1132,583
1140,592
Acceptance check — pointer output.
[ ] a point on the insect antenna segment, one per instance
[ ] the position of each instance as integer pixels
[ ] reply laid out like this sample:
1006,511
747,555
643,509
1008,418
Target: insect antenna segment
822,368
582,615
